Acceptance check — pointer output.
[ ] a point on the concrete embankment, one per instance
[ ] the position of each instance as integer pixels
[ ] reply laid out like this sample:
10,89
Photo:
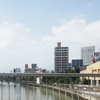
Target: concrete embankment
68,91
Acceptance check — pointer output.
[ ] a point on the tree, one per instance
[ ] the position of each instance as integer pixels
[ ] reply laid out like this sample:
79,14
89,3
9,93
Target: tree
77,70
73,71
77,80
67,71
85,81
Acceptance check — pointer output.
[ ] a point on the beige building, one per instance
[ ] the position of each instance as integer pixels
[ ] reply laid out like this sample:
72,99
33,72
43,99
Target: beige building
93,69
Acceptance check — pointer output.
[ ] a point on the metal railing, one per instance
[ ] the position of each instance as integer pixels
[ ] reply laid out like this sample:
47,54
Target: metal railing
77,86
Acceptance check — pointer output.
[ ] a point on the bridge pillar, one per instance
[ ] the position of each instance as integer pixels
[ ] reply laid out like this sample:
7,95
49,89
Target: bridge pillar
18,91
38,80
1,78
97,82
17,79
91,82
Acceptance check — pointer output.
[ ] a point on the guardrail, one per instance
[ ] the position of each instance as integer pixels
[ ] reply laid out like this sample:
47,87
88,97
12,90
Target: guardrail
51,74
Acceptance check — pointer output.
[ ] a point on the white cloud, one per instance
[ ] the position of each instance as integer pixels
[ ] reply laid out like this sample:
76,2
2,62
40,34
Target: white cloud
76,33
44,47
15,43
18,44
76,30
70,31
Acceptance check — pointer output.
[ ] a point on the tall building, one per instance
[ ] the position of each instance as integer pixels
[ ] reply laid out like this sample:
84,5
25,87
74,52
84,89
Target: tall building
86,54
69,66
77,63
33,66
26,66
61,58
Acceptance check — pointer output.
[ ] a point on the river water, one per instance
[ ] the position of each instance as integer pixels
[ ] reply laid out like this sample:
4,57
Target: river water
15,91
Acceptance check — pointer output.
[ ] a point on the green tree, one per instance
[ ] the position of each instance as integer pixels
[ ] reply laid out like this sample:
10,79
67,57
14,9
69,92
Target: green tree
77,70
77,80
67,71
85,81
67,80
73,71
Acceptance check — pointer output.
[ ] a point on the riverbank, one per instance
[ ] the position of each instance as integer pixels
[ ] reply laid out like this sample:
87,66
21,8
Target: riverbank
70,92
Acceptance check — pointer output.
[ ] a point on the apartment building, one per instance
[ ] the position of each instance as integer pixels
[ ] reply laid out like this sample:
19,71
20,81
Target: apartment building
61,58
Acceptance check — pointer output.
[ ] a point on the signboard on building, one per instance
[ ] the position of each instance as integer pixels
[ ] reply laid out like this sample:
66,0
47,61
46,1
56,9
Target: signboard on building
96,56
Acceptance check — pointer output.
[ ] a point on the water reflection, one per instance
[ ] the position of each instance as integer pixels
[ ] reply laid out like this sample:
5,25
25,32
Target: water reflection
15,91
7,91
38,93
18,91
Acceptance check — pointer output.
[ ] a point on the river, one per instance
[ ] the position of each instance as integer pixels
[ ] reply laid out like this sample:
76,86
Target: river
15,91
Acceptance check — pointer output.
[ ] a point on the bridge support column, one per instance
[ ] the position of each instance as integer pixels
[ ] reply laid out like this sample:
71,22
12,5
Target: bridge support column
17,79
18,91
91,82
97,82
38,80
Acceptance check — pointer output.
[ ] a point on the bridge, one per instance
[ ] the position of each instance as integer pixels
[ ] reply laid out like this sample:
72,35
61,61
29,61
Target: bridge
88,90
50,74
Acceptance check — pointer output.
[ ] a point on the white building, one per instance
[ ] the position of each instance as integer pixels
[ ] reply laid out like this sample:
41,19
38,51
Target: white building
17,70
86,54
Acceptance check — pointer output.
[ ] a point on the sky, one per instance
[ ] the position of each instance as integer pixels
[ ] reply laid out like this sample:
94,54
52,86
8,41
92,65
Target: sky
30,29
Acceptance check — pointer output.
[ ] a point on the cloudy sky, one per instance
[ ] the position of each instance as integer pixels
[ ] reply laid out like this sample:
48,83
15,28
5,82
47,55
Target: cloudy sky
30,29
